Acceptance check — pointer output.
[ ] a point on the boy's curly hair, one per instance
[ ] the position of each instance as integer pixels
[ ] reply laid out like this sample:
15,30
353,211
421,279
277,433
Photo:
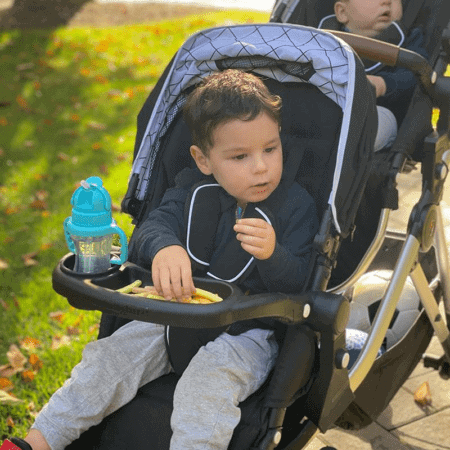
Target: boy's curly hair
224,96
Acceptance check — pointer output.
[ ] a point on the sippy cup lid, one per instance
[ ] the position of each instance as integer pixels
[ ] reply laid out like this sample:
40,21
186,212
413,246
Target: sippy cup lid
91,212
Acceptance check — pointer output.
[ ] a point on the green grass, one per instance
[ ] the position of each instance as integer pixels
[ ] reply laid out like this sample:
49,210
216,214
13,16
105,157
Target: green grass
72,97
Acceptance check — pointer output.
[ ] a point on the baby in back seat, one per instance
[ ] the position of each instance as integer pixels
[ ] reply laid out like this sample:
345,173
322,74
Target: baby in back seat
394,86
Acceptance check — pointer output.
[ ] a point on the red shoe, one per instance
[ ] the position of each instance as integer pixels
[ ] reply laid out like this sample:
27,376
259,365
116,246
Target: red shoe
15,444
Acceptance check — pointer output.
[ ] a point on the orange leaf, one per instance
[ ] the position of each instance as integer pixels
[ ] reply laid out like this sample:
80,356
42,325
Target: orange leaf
3,264
423,395
6,384
30,343
75,118
21,101
10,422
96,146
57,315
45,246
101,79
78,320
3,121
35,362
27,375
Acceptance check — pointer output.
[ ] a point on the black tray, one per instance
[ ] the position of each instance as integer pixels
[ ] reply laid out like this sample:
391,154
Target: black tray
98,292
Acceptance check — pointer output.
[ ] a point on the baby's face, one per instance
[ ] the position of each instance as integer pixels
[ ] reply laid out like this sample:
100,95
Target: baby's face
368,17
246,158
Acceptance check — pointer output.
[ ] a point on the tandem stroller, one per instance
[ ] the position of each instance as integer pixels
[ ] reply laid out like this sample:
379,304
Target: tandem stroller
329,123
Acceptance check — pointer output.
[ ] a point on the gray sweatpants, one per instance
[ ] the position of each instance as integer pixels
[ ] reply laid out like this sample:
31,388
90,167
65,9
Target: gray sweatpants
221,374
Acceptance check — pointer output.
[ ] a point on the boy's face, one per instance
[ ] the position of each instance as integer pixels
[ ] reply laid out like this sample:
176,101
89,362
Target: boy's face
368,17
245,159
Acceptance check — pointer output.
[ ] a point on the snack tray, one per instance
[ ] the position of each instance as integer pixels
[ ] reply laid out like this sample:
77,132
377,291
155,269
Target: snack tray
99,292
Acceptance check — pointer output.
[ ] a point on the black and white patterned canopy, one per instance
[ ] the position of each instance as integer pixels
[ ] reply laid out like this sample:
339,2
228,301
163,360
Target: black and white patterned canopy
284,52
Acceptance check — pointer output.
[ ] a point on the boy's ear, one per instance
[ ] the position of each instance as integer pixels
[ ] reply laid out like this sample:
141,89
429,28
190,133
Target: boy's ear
341,12
201,160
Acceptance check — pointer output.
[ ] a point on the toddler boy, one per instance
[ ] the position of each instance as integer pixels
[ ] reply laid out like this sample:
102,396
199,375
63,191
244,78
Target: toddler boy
259,236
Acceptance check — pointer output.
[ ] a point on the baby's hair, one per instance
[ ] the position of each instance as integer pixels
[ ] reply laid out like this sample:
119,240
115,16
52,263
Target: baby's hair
224,96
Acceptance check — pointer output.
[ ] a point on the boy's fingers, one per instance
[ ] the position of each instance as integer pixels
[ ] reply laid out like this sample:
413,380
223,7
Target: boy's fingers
258,223
250,230
166,287
188,284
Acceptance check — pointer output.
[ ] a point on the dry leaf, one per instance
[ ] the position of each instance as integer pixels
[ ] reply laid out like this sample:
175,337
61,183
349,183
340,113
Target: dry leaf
28,260
96,125
423,395
28,375
6,384
30,343
63,157
59,341
7,371
72,331
57,315
4,305
3,264
9,399
38,203
35,362
10,422
15,357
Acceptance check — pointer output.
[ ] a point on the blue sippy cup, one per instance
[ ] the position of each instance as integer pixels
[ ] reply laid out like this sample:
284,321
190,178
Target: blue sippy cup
89,231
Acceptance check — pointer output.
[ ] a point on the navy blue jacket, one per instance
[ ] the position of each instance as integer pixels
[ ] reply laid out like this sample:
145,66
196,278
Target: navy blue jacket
295,224
400,82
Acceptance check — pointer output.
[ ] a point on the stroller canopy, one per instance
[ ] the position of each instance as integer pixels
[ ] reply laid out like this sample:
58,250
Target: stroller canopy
286,53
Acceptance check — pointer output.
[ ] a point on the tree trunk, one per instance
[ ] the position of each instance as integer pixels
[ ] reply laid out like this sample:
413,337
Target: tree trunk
41,13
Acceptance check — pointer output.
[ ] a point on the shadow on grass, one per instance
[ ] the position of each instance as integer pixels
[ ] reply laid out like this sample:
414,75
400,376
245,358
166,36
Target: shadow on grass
26,14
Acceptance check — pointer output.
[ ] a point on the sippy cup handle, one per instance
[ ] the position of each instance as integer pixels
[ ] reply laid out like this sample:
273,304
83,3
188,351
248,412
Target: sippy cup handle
69,241
123,242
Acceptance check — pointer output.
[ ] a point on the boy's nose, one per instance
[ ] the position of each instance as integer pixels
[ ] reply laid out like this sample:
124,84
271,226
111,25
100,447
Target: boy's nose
259,165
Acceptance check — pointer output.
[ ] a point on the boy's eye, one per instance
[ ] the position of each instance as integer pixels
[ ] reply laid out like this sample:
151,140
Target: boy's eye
269,149
239,157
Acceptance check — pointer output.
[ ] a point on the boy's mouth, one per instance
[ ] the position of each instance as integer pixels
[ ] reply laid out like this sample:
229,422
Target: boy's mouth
262,187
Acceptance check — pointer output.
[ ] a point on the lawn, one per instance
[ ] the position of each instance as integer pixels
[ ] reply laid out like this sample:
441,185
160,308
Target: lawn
68,105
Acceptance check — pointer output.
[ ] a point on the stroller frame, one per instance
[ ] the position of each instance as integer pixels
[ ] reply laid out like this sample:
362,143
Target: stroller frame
425,228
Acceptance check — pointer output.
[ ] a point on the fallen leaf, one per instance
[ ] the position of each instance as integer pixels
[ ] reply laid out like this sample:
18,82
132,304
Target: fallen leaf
16,358
35,362
57,315
6,398
63,157
7,371
28,376
78,320
423,395
6,384
3,264
28,259
4,305
38,204
96,125
59,341
10,422
30,343
72,331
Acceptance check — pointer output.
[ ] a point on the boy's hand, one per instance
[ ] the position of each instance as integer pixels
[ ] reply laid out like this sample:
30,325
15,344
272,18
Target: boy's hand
172,273
379,83
257,237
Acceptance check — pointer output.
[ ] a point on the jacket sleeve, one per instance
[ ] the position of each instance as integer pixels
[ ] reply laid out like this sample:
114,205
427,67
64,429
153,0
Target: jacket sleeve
164,226
400,82
286,269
